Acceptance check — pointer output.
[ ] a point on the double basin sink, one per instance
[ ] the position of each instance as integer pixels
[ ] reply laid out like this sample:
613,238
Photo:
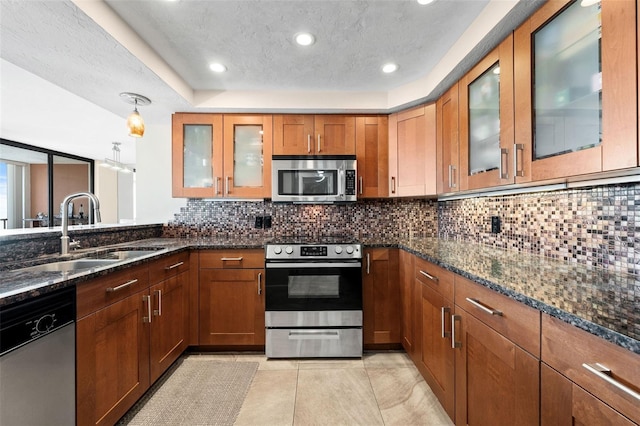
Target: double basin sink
86,263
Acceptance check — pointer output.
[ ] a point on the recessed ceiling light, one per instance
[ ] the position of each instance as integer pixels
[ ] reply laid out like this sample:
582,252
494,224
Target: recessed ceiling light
496,70
423,2
389,68
305,39
217,67
587,3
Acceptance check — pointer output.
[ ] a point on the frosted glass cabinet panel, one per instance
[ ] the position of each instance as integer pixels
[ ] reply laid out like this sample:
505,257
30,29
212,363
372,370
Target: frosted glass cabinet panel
484,122
567,80
198,151
248,157
197,155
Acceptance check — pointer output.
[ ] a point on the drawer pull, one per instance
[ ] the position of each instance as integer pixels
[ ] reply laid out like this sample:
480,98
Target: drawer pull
231,259
431,277
121,286
314,335
454,344
443,318
168,268
479,305
605,374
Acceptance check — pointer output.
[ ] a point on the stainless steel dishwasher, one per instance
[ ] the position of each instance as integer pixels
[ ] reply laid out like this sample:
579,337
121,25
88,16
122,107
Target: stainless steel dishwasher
37,361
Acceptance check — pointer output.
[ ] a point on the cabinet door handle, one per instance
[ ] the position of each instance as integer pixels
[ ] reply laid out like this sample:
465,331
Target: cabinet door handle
226,185
393,184
454,344
259,283
217,185
368,263
428,275
481,306
319,142
231,259
443,319
504,154
361,185
121,286
605,374
518,147
158,312
147,299
308,144
174,266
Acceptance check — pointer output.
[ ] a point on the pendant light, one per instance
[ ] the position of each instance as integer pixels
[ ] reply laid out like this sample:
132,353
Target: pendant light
135,123
115,162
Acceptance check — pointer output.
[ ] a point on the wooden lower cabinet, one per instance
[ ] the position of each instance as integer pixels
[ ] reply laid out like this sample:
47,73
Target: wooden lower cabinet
565,403
112,360
232,307
409,303
497,382
169,326
381,297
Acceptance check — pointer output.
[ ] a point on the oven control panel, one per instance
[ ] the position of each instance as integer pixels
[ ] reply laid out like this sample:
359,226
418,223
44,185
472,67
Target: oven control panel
306,251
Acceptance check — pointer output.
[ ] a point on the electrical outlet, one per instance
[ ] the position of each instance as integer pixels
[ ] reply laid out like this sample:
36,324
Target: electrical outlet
267,222
495,224
259,222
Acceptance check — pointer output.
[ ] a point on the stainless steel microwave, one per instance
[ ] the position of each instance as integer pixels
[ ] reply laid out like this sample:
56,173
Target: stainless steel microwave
313,179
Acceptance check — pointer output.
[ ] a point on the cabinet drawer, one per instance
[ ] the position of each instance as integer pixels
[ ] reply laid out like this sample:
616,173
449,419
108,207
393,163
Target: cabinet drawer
96,294
167,267
512,319
567,349
435,277
232,259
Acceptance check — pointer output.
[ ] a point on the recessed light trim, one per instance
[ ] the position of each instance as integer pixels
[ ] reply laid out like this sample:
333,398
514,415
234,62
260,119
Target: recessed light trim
217,67
423,2
389,68
305,39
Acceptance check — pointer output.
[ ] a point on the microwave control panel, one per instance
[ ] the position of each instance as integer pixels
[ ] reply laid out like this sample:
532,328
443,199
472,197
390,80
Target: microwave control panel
350,182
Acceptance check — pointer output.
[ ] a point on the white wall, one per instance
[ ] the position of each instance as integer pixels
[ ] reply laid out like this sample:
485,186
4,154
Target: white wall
153,176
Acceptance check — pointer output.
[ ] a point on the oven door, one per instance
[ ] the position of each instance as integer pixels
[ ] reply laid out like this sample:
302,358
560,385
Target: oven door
313,286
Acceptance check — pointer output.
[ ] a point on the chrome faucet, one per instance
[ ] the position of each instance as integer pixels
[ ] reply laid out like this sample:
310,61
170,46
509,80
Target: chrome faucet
64,248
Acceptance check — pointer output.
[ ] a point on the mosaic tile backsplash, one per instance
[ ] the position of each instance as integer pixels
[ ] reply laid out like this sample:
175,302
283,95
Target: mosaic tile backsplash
383,218
594,226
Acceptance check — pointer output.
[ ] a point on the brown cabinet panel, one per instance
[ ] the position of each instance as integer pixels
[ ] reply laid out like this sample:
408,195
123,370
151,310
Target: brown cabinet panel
335,134
566,348
169,325
496,381
100,292
232,259
314,135
512,319
292,134
448,167
232,307
407,296
112,360
167,267
435,277
372,152
381,297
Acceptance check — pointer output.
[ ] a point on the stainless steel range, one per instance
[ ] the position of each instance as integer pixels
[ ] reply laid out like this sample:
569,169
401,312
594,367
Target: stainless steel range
313,296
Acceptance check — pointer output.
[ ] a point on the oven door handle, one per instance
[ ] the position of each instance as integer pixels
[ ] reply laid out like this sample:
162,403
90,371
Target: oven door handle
314,335
314,265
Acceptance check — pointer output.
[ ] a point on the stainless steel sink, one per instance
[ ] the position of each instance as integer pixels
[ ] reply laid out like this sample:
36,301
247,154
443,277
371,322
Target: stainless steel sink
71,265
124,254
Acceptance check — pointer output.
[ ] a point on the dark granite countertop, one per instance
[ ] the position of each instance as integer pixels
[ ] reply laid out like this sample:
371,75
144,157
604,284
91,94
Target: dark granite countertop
601,302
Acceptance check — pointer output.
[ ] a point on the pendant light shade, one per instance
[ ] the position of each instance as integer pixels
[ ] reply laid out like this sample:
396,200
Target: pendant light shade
135,123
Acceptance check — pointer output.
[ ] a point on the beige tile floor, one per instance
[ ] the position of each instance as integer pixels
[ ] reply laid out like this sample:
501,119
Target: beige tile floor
382,388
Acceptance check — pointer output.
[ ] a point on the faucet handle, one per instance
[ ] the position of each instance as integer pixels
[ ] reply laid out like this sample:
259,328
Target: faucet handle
74,244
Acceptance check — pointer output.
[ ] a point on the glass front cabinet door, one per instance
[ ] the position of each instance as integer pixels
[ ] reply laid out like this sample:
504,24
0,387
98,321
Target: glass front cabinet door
197,154
486,120
576,89
247,156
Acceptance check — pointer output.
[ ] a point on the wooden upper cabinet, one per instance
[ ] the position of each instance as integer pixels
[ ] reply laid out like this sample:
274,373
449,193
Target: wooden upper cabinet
247,156
576,90
486,120
314,135
196,154
412,152
448,168
372,153
221,156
